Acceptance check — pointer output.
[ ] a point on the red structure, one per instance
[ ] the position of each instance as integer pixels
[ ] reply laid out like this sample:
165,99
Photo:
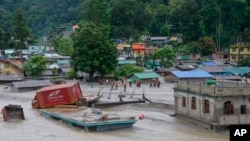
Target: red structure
61,94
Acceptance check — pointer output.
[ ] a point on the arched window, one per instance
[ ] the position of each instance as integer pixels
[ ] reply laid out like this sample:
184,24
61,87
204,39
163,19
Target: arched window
206,106
228,108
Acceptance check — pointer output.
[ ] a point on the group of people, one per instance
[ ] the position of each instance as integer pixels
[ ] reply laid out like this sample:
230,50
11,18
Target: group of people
123,82
155,84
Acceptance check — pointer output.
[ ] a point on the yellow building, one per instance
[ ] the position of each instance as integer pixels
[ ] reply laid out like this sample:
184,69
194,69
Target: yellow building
11,67
239,52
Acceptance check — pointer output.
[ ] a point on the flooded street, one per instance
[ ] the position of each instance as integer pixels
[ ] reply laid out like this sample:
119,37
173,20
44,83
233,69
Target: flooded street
158,124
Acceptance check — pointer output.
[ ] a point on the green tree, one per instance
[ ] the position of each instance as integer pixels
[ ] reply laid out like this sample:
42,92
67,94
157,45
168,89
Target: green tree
208,46
1,39
93,49
35,66
166,56
194,47
184,18
128,69
244,62
20,29
95,11
65,46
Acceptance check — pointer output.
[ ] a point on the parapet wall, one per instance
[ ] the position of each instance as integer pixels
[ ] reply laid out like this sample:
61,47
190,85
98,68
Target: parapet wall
220,89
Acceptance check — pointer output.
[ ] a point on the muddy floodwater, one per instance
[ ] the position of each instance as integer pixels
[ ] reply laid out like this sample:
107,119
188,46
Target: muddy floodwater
159,124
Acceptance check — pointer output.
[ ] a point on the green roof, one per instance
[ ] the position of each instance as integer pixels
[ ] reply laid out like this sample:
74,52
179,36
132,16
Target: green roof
146,75
238,70
63,61
185,57
123,62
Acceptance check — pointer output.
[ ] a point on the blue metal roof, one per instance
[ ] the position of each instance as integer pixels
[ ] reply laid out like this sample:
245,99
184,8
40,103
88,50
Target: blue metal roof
192,74
208,63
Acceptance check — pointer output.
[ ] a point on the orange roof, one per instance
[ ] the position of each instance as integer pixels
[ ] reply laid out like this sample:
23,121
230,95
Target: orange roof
139,46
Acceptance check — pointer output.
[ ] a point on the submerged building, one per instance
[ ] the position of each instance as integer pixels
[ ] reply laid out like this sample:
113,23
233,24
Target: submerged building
215,106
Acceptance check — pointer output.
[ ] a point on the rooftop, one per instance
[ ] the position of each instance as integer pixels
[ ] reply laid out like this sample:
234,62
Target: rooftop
192,74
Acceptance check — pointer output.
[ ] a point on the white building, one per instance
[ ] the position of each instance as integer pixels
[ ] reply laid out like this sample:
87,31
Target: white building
213,107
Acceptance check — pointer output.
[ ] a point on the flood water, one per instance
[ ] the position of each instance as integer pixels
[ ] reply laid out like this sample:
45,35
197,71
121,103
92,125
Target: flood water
158,124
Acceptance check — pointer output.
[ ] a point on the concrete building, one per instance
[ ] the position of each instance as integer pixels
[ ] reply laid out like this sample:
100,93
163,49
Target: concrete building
213,107
239,52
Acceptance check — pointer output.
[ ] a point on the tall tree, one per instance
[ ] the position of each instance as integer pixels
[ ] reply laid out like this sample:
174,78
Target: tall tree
65,46
20,29
35,66
185,19
208,46
95,11
93,49
166,56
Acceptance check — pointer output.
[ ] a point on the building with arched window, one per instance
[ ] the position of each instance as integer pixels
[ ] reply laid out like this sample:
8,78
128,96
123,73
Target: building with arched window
215,106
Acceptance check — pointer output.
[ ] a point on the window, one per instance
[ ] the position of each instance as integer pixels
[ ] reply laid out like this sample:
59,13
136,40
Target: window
241,49
243,109
183,101
233,49
228,108
206,106
193,103
233,57
248,49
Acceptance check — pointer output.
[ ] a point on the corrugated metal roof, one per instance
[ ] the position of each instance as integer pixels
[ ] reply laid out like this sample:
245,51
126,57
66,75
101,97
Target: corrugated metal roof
212,69
32,83
238,70
192,74
11,77
209,63
146,75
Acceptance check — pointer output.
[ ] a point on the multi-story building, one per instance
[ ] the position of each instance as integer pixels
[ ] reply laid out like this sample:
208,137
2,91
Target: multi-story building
214,107
239,52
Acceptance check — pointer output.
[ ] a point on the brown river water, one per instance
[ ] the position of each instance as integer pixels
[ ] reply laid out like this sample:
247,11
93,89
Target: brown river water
158,124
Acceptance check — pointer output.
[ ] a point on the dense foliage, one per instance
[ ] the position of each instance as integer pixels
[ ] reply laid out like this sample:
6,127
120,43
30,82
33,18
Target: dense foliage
35,66
94,52
128,69
225,22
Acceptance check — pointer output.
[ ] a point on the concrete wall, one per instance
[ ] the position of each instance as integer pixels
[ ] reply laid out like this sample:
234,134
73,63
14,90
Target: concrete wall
216,105
237,117
198,112
226,89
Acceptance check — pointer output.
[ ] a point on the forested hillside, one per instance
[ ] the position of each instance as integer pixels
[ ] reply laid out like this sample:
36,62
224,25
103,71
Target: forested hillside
225,21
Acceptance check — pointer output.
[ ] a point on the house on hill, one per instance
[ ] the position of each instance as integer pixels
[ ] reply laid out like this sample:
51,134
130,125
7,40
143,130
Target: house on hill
11,67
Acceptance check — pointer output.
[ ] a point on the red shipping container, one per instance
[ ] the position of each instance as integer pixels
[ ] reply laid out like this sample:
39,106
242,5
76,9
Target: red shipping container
60,94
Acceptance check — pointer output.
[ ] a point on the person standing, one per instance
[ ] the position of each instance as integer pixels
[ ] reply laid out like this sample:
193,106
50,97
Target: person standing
125,85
